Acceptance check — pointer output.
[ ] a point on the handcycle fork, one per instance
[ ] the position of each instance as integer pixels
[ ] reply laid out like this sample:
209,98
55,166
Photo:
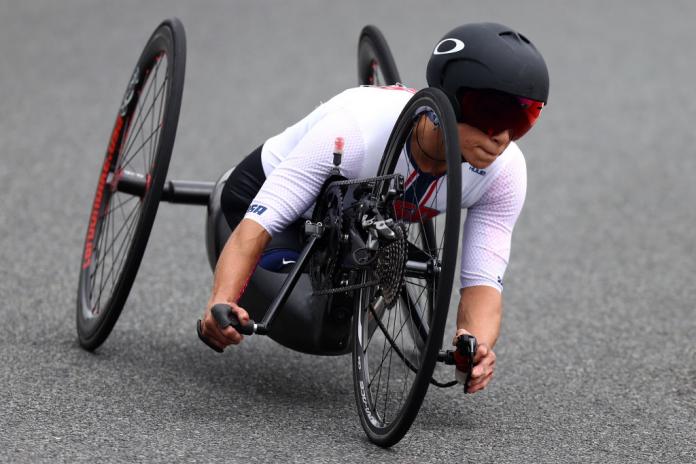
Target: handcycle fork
224,316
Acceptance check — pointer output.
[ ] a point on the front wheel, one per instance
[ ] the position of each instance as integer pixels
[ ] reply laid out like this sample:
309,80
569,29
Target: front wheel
398,331
139,149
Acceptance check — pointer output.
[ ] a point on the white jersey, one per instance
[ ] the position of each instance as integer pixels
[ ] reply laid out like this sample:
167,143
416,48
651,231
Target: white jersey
298,161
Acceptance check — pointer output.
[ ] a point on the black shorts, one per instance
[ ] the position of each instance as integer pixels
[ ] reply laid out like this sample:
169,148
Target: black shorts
241,187
239,191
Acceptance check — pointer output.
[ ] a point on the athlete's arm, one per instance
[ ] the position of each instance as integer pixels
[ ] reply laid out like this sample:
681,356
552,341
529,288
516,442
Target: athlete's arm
234,267
480,313
292,187
289,190
486,242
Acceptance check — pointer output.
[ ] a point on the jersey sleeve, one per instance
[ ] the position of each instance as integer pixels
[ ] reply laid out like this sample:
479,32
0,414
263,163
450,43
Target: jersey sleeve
487,234
293,186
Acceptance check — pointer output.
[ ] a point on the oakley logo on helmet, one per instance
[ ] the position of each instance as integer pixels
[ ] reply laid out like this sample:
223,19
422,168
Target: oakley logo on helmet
448,46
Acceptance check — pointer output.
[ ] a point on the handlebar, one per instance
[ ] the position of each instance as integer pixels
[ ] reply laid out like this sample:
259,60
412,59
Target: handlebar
225,317
462,358
464,355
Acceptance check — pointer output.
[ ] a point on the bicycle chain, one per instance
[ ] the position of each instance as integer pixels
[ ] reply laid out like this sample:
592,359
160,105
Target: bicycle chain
366,180
347,288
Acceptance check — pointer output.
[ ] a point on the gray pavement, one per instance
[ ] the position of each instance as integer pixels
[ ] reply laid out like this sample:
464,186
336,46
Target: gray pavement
597,357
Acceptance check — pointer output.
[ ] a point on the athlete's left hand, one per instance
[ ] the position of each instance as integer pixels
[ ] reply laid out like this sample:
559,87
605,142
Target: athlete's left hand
484,365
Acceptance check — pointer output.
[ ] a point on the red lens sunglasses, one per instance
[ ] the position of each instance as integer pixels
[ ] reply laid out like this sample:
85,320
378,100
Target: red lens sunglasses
493,112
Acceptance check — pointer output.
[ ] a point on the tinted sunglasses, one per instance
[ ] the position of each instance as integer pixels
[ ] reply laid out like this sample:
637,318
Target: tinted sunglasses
493,112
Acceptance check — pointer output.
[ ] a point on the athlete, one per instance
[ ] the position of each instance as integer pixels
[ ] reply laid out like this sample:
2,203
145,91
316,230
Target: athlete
497,83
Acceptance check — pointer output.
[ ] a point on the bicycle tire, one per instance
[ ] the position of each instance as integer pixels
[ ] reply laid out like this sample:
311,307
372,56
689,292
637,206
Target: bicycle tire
105,241
375,59
377,425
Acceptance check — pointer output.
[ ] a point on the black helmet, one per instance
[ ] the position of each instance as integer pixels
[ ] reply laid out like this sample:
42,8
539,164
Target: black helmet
487,56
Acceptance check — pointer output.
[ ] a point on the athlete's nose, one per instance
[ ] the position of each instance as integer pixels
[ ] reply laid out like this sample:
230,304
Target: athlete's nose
502,139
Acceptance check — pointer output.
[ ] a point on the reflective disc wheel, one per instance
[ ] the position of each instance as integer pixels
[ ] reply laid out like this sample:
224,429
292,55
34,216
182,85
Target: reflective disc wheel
140,145
375,62
396,346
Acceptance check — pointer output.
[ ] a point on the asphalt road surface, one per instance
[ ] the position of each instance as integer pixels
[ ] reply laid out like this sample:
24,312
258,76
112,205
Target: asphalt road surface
597,357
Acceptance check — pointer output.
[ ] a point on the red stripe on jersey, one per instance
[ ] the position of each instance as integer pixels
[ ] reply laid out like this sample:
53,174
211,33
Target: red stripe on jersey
430,192
410,212
410,179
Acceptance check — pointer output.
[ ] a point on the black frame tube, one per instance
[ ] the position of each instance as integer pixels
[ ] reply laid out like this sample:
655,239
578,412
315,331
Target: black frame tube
187,192
265,325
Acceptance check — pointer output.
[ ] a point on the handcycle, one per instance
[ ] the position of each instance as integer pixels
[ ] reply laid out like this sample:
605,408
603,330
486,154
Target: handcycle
374,273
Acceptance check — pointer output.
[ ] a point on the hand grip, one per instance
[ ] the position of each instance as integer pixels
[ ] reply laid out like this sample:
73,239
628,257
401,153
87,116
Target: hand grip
225,317
464,355
204,339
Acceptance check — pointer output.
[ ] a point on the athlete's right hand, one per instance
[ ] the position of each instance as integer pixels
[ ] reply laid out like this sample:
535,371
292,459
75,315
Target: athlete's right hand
222,338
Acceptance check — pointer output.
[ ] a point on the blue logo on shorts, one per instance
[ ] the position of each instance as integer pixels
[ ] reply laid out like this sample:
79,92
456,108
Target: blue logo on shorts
258,209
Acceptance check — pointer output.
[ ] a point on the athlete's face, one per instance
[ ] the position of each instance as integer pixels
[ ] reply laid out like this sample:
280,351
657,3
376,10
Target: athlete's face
477,148
480,149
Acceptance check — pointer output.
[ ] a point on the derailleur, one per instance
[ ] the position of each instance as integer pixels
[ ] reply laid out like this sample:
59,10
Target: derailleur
375,225
377,229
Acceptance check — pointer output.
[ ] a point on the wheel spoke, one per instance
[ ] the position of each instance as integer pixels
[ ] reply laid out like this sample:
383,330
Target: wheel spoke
394,347
146,159
126,146
103,233
119,206
118,234
128,227
387,338
418,361
159,126
386,395
384,346
122,251
140,148
101,264
126,156
96,251
131,136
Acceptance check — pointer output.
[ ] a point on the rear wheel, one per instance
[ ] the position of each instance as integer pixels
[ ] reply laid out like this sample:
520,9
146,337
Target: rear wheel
375,62
396,342
421,238
139,148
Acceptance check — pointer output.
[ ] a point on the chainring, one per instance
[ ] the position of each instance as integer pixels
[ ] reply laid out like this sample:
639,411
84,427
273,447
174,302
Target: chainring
328,211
